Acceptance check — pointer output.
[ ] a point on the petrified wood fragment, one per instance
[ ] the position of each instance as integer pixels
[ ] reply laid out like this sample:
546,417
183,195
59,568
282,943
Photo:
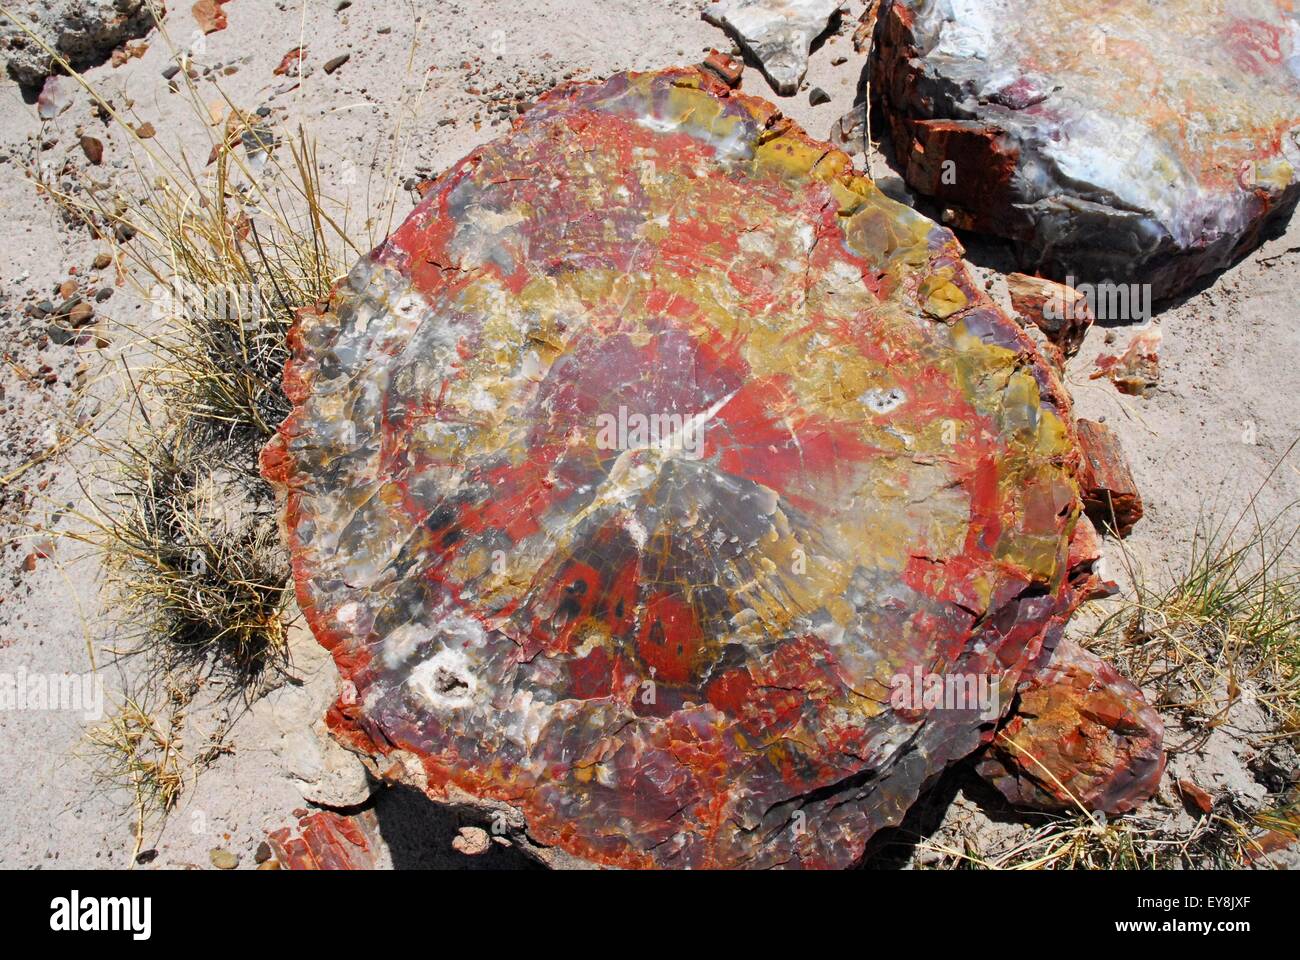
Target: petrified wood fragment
728,68
1060,311
776,33
1081,736
1110,495
1194,798
1133,142
326,841
627,478
1136,371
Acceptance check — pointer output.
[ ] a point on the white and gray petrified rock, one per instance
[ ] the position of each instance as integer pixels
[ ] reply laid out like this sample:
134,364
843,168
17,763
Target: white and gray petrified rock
1137,142
777,33
323,771
82,32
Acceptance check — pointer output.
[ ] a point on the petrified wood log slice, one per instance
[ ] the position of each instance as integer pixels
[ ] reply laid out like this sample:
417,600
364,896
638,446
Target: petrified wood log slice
679,648
1124,142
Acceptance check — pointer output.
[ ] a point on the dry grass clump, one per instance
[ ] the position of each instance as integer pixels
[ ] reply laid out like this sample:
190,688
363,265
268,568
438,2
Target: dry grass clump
223,254
1225,839
223,245
184,527
1226,627
225,281
223,240
141,754
196,567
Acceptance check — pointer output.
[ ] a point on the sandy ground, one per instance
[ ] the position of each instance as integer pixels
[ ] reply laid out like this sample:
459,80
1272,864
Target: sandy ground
1203,442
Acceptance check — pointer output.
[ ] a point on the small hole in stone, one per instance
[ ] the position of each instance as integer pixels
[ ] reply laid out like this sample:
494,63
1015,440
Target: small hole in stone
444,681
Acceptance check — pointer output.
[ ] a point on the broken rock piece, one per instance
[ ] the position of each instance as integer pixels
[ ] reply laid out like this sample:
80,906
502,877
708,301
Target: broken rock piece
1201,801
1137,370
1110,496
1081,736
55,97
209,15
635,477
326,841
849,133
1125,143
729,69
472,841
81,32
776,33
1061,312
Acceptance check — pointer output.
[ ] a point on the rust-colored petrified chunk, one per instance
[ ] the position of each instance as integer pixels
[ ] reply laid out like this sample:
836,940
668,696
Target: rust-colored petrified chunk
728,69
629,479
1081,736
1059,311
1110,494
1136,371
1195,798
325,841
1110,142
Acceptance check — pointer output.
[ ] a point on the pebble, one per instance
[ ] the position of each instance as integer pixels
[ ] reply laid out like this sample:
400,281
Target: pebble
223,859
471,841
93,148
55,97
81,314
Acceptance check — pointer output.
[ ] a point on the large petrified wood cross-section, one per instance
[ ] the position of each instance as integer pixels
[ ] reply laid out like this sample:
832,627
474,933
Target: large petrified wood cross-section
678,646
